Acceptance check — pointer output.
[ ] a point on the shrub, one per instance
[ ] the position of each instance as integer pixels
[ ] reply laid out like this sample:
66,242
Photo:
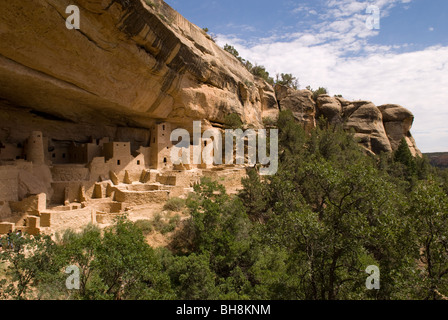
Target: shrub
150,3
260,71
157,222
288,80
167,228
233,121
249,66
404,156
145,226
208,35
248,83
171,225
318,92
231,49
175,220
269,122
174,204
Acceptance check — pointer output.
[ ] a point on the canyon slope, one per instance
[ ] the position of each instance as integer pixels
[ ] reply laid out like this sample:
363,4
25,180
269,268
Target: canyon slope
134,63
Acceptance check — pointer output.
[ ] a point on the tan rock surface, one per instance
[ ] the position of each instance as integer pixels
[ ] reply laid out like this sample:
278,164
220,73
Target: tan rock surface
398,123
269,104
128,64
367,121
329,107
300,102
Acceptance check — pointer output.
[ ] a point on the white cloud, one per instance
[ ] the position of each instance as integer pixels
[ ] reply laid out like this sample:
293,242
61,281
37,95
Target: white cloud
336,54
301,8
241,27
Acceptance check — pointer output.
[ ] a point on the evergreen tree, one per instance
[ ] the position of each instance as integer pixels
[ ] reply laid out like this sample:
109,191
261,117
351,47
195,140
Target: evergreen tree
288,80
404,156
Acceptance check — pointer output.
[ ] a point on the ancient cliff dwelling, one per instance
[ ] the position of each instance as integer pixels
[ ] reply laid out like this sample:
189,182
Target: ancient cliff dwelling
143,158
86,115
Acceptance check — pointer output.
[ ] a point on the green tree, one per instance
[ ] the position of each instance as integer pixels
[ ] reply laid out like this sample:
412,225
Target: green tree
292,136
429,211
80,249
231,49
288,80
318,92
249,66
116,263
442,175
253,196
331,227
127,265
403,156
223,230
31,261
334,214
260,71
191,276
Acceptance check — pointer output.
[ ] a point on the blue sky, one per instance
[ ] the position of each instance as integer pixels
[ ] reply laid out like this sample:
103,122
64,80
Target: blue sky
326,43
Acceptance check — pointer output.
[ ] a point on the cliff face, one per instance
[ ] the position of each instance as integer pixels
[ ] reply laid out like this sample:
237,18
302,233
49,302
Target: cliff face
134,62
129,63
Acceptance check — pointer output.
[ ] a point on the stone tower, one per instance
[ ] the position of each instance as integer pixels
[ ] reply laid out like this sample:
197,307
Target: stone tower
161,146
35,148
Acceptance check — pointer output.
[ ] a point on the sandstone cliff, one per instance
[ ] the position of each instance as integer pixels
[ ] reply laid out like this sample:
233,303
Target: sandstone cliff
378,129
129,63
134,62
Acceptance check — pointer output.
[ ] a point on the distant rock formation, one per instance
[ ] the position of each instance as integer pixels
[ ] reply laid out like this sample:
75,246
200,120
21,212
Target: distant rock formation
438,159
378,129
398,123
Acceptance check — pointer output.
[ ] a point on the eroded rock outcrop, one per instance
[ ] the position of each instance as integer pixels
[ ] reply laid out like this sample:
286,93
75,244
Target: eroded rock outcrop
378,129
269,104
366,120
300,102
398,123
330,108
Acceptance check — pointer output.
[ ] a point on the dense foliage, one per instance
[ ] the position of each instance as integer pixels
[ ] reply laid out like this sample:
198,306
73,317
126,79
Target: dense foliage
307,232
